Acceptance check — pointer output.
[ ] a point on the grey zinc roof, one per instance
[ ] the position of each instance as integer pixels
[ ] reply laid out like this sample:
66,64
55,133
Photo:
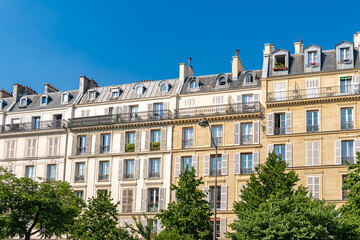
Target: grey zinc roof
55,100
152,89
208,83
9,102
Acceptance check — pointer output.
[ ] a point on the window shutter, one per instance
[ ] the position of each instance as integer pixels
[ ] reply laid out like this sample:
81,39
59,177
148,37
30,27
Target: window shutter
222,227
239,103
207,193
195,164
255,156
74,144
55,145
97,143
138,141
256,134
144,222
124,199
146,171
355,83
356,148
144,200
88,144
122,142
337,151
175,196
106,111
309,154
28,147
316,155
50,144
224,197
163,143
288,122
177,166
125,109
147,140
137,168
224,164
206,165
237,133
150,107
256,97
288,154
121,168
316,187
162,204
166,108
82,113
270,148
237,163
270,124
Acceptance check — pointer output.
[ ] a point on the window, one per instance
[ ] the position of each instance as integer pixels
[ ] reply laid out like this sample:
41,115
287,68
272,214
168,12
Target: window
30,172
345,85
246,163
347,152
187,138
344,192
44,100
249,78
247,99
134,112
155,140
217,135
82,145
158,111
280,91
23,102
312,59
280,61
79,194
186,162
312,88
130,142
217,226
153,200
312,121
31,145
80,171
2,104
53,146
345,55
105,143
222,81
279,126
51,172
246,133
10,149
65,97
139,90
104,170
313,184
115,92
57,121
127,200
36,123
347,119
279,149
164,88
212,197
154,168
92,95
129,169
111,111
213,169
193,84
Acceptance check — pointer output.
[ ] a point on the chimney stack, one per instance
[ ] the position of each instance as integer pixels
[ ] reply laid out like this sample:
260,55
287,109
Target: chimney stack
357,40
267,49
86,84
185,71
299,47
5,94
236,66
20,90
50,88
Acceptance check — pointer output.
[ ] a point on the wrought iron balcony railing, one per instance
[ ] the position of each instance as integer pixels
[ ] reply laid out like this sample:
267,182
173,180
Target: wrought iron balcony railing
213,172
279,130
301,94
33,126
129,175
346,160
348,125
246,139
312,128
187,143
154,174
245,170
217,141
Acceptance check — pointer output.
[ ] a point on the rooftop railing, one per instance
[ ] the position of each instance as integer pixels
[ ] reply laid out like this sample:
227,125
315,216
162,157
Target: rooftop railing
301,94
33,126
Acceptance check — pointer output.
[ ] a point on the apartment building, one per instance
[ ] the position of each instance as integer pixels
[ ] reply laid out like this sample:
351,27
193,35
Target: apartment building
311,103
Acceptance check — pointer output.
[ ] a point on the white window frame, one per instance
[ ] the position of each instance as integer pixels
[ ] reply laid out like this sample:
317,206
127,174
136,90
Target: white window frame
139,90
23,102
166,89
65,97
46,100
31,145
346,55
10,149
312,186
92,95
32,172
115,91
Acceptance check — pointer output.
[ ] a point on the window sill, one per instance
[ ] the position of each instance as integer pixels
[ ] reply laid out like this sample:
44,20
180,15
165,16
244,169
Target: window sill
103,180
280,68
79,181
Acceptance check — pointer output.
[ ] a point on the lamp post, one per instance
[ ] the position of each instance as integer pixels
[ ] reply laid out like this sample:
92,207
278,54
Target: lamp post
205,123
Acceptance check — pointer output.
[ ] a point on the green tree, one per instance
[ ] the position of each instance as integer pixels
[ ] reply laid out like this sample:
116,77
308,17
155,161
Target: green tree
189,216
99,220
30,208
145,231
271,208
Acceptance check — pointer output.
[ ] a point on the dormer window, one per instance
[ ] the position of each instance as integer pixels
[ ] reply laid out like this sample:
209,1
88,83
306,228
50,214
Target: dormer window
249,78
312,59
65,97
222,80
44,100
139,89
280,61
23,102
2,104
164,88
92,95
193,84
115,92
345,55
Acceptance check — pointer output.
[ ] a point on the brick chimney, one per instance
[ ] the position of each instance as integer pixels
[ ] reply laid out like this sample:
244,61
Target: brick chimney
299,47
236,66
50,88
86,83
185,71
20,90
5,94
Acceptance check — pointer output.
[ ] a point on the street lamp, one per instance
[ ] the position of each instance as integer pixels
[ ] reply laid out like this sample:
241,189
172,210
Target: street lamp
205,123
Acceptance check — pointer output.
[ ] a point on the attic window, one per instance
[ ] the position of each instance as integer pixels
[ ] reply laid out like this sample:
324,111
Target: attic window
44,100
312,59
115,92
279,61
92,95
345,55
193,84
2,104
164,87
139,90
65,97
249,78
222,81
23,102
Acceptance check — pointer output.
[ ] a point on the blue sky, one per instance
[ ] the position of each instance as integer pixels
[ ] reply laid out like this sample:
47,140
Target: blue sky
125,41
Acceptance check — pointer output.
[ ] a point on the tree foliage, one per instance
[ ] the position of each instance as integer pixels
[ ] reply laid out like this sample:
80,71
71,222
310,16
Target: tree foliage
271,208
99,220
189,216
30,208
145,231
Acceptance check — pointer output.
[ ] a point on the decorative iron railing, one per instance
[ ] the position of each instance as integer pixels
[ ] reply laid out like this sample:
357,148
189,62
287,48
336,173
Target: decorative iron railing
33,126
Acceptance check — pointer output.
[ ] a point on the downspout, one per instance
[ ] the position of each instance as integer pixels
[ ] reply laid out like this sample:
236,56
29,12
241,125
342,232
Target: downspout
66,150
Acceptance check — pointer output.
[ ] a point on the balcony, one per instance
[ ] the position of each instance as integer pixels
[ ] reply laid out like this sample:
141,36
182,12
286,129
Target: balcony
154,174
214,110
246,139
347,125
129,175
312,128
245,170
33,126
103,177
79,178
120,118
323,92
279,130
347,160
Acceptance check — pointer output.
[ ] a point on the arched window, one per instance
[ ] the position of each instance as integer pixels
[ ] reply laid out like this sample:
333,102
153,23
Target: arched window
138,90
65,97
193,84
164,88
222,81
249,78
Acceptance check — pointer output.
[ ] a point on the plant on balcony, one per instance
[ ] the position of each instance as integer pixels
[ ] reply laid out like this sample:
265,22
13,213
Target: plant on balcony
279,65
155,146
130,147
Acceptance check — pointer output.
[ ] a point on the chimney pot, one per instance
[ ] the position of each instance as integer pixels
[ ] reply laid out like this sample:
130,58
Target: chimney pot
190,62
237,52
